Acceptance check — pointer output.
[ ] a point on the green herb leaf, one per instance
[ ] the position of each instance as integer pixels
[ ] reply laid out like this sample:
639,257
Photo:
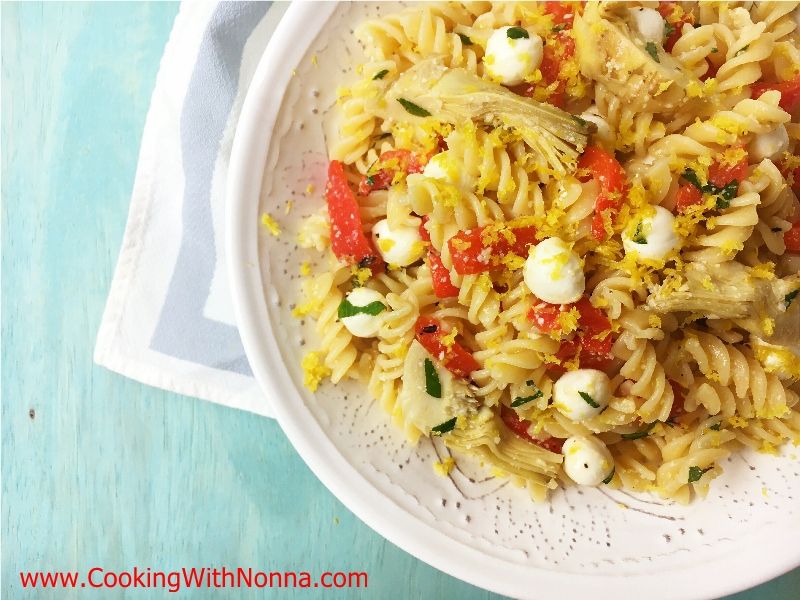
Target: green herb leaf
636,435
380,74
444,427
519,401
716,426
559,27
366,262
517,32
465,39
370,180
608,479
669,29
432,384
413,109
348,310
638,236
714,50
690,176
529,382
790,296
652,50
729,191
589,400
695,473
722,203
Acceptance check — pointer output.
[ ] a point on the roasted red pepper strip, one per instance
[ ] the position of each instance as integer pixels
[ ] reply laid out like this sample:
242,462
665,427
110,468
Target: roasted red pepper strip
792,238
348,241
667,10
440,276
610,177
591,320
406,162
472,252
545,316
423,231
455,357
563,12
790,92
520,428
721,174
688,195
557,50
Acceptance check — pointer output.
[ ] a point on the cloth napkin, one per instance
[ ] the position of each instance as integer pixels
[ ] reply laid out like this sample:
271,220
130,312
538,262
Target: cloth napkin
169,320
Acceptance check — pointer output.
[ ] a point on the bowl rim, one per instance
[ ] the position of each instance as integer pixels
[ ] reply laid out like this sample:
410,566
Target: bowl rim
729,573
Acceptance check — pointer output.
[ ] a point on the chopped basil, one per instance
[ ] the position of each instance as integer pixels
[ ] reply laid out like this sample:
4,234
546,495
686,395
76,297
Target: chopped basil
520,400
413,109
444,427
608,479
589,400
636,435
716,426
559,27
669,29
517,32
465,39
638,236
380,74
348,310
690,176
789,297
370,180
652,50
432,384
366,262
729,191
529,382
695,473
725,194
714,50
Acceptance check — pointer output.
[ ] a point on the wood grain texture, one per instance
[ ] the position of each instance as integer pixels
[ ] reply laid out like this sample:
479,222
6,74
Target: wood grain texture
98,470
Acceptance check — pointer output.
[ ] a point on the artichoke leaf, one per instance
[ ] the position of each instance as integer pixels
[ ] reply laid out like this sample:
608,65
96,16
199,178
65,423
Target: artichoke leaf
614,54
454,95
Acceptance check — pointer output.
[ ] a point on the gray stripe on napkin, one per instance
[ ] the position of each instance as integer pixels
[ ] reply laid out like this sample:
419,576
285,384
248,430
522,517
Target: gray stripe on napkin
182,330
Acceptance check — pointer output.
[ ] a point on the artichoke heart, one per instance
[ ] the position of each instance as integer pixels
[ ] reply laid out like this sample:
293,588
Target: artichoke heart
729,291
454,95
640,73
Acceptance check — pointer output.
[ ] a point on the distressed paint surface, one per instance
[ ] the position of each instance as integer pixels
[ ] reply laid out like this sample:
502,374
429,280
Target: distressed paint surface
98,470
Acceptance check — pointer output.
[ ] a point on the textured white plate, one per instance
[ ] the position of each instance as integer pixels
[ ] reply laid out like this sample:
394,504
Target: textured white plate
585,542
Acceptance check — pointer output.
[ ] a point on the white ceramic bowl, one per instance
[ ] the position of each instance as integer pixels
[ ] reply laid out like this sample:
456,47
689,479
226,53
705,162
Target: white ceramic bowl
584,542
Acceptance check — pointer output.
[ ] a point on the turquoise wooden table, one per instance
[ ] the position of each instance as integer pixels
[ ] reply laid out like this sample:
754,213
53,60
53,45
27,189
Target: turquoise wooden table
98,470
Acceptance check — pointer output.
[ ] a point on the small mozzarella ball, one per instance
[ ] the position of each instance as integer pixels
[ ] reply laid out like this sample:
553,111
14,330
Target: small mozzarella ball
769,145
509,60
400,247
442,166
587,461
604,135
553,272
649,23
582,394
362,324
657,232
